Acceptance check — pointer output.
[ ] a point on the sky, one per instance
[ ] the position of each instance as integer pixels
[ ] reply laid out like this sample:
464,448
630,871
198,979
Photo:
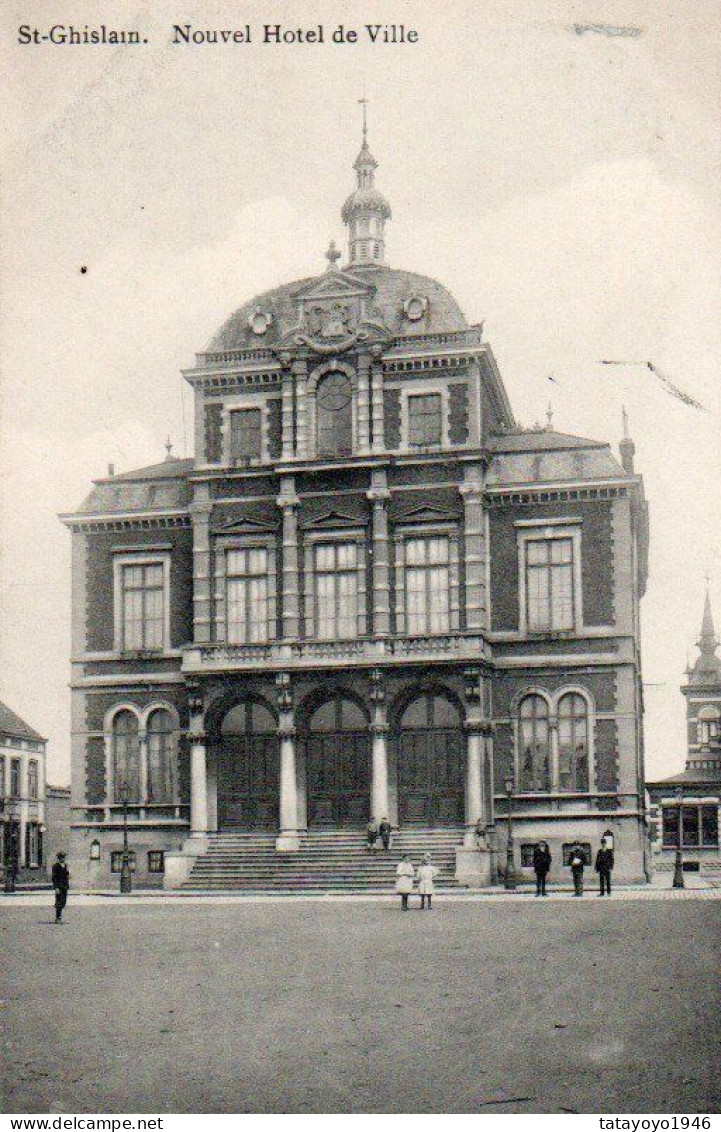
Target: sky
561,180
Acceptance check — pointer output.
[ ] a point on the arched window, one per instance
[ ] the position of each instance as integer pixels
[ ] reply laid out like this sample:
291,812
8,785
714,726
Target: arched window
161,758
708,726
573,744
534,761
126,757
334,415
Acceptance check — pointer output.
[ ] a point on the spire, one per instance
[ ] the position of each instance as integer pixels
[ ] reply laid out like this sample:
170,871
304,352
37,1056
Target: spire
708,641
366,209
168,449
626,447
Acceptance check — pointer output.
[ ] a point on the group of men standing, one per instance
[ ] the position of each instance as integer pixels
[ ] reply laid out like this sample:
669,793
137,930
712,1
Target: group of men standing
577,862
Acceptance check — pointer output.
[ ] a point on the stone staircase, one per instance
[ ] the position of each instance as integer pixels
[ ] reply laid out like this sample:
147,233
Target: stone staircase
328,861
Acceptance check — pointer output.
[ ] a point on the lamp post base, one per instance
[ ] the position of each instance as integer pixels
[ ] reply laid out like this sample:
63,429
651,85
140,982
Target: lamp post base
678,881
126,879
510,878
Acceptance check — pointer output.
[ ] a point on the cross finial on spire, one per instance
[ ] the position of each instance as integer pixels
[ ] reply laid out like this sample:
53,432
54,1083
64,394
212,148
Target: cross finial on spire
364,103
168,448
332,255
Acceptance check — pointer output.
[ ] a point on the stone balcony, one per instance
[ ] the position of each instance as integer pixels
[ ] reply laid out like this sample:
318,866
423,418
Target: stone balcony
219,657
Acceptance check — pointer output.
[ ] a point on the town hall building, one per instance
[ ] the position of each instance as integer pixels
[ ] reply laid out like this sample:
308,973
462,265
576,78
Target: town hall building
369,594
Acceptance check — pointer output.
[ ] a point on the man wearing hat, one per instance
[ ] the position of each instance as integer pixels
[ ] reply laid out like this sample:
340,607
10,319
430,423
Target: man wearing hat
61,884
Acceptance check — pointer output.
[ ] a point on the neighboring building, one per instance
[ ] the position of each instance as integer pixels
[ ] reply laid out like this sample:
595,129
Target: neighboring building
688,803
371,592
57,822
22,793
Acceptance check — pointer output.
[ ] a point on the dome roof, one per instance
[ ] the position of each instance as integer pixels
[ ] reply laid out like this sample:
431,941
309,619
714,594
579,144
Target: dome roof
278,311
370,198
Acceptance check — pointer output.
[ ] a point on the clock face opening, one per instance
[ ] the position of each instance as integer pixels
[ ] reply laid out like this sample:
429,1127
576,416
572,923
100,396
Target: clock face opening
334,392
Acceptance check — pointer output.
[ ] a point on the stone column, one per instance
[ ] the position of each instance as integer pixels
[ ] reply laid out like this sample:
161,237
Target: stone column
288,839
198,786
363,405
379,766
300,376
288,446
379,496
200,511
475,552
377,406
288,502
475,801
553,753
143,768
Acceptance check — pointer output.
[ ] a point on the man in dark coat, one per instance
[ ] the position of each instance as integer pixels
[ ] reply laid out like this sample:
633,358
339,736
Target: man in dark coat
384,830
577,862
541,865
61,884
604,867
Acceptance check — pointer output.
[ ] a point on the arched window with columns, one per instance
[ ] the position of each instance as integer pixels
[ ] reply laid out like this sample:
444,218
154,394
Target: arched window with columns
161,758
534,745
708,728
573,744
334,414
126,757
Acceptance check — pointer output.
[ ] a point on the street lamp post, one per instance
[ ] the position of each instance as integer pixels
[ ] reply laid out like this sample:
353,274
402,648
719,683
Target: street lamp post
13,851
126,879
510,880
678,881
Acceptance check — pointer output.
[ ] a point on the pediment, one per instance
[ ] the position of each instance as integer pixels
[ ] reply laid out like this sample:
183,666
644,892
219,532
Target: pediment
334,285
245,527
334,520
428,515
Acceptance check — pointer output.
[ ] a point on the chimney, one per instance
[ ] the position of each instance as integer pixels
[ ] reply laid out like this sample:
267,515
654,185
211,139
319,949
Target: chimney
111,470
627,447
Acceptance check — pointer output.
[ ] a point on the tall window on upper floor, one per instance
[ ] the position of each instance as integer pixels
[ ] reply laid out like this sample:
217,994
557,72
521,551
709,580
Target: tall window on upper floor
427,578
247,595
535,751
14,778
126,757
2,776
142,606
573,744
245,435
336,590
549,584
708,726
334,415
425,422
161,758
33,780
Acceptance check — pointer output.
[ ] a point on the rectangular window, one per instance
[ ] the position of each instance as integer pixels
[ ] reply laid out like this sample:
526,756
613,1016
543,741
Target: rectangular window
336,591
527,856
427,585
143,607
32,780
670,826
245,435
549,584
690,826
2,776
116,860
709,826
247,595
156,861
424,419
14,778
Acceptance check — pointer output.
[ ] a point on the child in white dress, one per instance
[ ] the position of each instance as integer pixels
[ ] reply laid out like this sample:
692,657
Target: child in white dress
426,874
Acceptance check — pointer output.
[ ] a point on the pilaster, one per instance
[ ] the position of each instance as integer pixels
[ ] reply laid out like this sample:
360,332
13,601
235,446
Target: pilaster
475,548
379,495
363,405
200,511
377,406
288,502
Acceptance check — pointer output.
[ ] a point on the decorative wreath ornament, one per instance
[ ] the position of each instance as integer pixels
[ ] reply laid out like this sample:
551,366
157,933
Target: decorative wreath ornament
259,321
415,306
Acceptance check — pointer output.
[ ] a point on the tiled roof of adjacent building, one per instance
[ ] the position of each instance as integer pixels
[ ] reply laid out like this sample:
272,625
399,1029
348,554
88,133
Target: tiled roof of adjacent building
169,469
688,777
12,725
540,440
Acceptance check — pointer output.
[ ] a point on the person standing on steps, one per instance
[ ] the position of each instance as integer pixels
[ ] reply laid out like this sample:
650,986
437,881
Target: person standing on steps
61,884
372,833
604,867
541,866
577,862
405,875
384,829
426,875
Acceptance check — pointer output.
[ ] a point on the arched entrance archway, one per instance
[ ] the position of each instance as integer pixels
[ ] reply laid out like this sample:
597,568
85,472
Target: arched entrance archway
247,753
430,762
337,754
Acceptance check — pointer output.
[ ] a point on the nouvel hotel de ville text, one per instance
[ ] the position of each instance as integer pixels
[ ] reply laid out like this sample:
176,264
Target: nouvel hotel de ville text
369,593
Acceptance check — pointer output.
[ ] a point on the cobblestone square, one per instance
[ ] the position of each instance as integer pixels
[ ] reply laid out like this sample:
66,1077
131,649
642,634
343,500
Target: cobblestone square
330,1006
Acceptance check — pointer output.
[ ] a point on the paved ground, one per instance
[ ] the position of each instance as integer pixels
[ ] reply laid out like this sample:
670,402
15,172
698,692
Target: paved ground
501,1005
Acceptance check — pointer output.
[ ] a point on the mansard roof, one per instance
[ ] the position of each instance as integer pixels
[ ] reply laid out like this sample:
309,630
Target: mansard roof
544,456
169,469
15,727
389,289
540,440
159,487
